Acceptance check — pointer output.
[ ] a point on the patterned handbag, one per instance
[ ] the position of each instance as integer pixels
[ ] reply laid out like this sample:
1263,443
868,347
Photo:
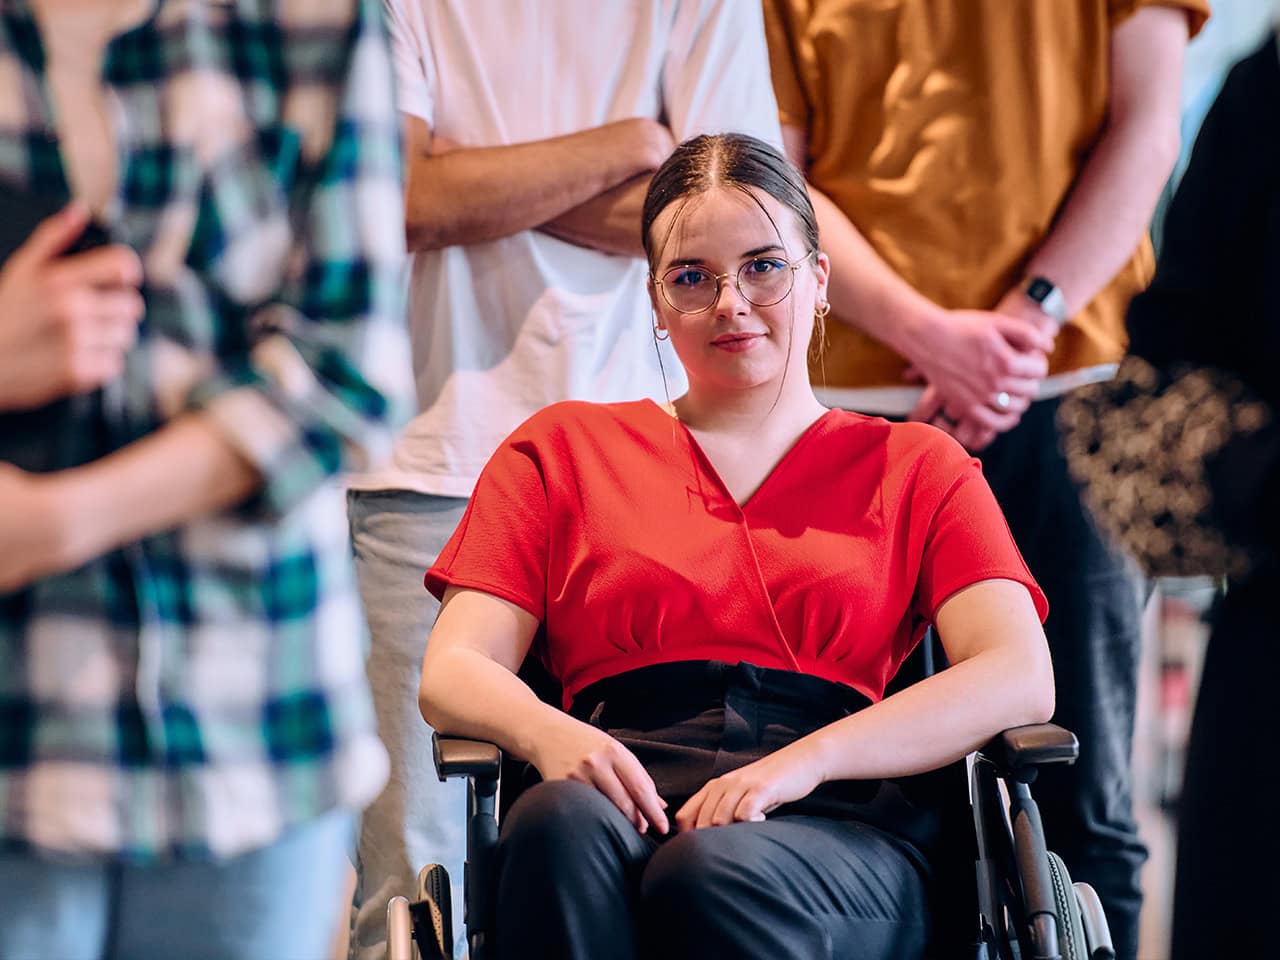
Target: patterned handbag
1179,465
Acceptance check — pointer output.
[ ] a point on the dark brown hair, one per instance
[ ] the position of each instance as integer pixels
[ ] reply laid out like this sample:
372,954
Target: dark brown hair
741,162
733,160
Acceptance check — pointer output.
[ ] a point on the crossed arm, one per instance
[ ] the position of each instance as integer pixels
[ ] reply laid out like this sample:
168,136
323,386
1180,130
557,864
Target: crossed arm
585,187
67,322
311,394
990,632
968,356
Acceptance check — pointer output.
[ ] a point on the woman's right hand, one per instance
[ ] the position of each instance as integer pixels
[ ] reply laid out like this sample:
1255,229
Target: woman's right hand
66,322
573,750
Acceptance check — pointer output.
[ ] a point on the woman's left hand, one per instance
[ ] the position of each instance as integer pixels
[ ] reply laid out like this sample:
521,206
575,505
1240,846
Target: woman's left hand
750,792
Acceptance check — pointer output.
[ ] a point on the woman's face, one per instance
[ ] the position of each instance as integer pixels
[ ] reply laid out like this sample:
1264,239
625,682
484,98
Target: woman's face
733,343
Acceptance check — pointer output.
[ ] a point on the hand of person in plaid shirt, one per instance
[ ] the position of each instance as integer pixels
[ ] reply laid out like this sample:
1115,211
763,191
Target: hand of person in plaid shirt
65,321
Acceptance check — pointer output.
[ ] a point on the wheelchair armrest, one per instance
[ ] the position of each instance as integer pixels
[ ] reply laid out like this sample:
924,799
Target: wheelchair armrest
1019,750
456,757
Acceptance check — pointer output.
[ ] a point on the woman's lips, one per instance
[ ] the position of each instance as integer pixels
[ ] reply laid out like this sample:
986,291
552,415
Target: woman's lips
737,342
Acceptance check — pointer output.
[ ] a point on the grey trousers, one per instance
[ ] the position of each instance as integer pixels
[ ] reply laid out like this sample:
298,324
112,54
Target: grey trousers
417,819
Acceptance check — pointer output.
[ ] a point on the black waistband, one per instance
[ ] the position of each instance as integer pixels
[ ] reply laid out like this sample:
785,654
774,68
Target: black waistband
704,683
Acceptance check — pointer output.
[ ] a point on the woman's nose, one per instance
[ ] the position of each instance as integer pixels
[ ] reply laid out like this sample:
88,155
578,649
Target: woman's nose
729,299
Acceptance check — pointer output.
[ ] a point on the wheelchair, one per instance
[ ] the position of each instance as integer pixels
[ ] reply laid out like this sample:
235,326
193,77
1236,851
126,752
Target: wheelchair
1023,905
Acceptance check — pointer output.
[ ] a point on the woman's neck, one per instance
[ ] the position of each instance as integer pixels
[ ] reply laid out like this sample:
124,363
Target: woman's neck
747,412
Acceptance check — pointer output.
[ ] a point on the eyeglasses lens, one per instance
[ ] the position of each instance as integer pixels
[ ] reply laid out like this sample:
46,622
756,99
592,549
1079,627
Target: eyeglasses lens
763,281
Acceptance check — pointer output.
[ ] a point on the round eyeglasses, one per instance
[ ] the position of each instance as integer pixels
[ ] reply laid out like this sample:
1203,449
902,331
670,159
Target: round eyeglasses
762,281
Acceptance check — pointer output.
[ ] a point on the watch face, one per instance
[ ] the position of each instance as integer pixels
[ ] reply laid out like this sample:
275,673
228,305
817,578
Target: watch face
1038,289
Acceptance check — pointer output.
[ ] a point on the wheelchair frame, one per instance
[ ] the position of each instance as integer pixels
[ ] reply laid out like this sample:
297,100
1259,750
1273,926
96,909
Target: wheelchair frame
1027,907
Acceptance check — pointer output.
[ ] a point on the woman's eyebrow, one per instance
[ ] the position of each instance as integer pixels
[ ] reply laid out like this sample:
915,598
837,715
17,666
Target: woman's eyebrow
699,262
685,262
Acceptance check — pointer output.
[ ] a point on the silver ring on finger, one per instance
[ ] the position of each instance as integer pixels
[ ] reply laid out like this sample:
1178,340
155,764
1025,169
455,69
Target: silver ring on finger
1002,400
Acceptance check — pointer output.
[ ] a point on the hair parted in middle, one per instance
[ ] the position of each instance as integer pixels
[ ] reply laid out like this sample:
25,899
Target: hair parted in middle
740,162
734,160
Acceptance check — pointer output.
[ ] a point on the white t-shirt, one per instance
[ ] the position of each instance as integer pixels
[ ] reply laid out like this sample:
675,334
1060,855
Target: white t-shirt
501,329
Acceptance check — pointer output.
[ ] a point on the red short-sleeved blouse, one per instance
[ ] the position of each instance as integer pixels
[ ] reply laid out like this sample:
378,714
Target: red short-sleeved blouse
607,523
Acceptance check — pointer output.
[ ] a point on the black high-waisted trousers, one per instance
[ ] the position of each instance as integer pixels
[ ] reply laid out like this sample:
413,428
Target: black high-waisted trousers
816,880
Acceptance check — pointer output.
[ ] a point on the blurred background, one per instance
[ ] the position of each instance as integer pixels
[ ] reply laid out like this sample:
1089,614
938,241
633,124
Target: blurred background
1175,631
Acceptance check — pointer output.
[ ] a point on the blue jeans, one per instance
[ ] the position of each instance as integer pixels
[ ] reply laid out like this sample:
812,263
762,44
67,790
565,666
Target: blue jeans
277,903
417,819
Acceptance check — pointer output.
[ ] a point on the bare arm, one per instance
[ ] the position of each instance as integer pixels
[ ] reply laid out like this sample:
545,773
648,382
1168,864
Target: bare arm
1104,217
863,289
720,40
471,195
1110,206
310,394
184,470
1000,677
967,355
609,222
990,632
473,653
57,521
475,648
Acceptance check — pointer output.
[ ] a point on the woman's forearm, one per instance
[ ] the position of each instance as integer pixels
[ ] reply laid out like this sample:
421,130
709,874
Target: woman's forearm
469,688
939,720
465,693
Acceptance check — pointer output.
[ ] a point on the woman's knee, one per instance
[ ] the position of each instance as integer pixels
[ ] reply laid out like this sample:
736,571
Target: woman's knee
692,872
568,864
700,897
750,890
555,822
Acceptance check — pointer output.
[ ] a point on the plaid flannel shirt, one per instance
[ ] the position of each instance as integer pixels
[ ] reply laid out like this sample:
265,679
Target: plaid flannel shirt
196,693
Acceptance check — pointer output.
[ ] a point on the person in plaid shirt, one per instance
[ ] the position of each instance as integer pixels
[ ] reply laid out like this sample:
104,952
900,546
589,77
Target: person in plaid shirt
184,719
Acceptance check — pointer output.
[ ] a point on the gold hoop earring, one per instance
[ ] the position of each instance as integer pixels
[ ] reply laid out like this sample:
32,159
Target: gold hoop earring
656,328
818,344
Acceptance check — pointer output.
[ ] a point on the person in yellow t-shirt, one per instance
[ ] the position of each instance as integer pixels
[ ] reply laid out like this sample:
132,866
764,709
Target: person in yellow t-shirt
984,175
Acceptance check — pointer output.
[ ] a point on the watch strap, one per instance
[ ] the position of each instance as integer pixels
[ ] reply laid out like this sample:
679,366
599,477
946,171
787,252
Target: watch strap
1045,294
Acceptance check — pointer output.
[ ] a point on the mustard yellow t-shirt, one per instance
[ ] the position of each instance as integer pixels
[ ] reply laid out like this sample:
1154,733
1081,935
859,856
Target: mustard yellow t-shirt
951,134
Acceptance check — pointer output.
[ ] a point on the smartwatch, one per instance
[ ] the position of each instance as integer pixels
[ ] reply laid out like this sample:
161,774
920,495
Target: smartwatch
1048,298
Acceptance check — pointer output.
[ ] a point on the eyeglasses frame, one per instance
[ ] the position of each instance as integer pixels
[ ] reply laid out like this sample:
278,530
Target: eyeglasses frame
793,266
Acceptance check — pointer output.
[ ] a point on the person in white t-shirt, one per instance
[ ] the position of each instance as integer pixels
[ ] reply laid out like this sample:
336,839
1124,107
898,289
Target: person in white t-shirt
532,129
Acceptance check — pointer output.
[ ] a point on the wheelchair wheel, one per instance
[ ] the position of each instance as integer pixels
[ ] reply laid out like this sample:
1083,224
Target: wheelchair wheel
1071,941
1097,933
436,902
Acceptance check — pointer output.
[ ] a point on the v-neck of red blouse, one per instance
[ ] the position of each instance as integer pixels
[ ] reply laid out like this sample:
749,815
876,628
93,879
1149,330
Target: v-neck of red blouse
710,468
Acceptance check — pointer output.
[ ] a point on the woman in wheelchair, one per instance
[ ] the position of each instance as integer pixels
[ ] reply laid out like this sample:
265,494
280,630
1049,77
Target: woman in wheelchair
724,586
